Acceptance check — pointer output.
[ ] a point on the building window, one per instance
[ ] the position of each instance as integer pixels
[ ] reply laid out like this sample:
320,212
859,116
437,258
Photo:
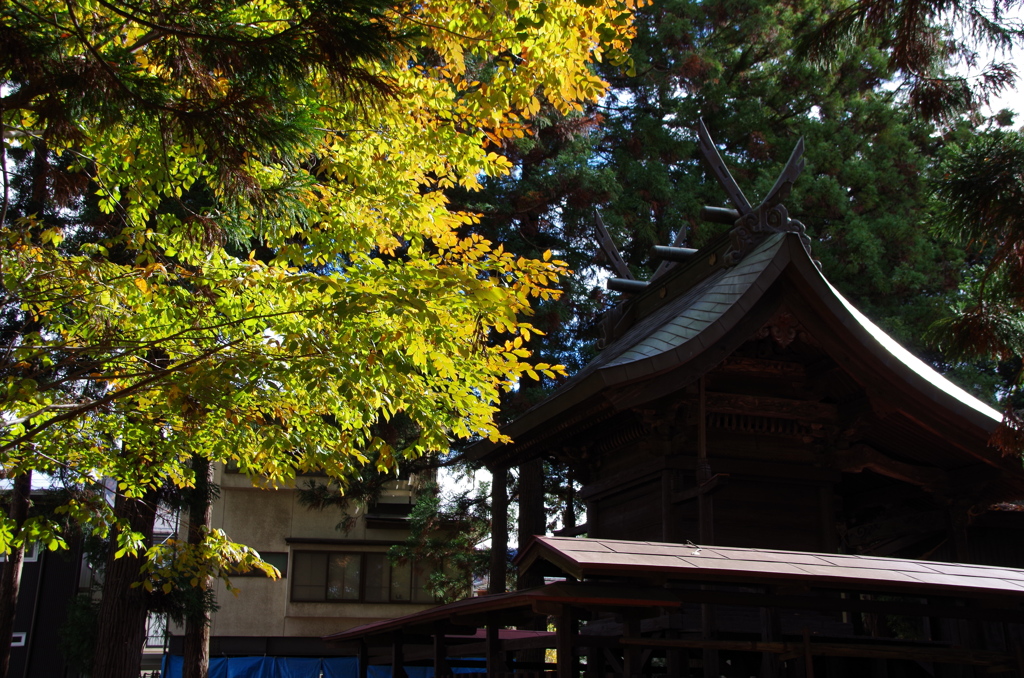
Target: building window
278,559
156,628
336,576
31,554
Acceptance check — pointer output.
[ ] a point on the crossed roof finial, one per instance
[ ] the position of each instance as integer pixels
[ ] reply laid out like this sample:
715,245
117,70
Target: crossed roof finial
750,225
771,216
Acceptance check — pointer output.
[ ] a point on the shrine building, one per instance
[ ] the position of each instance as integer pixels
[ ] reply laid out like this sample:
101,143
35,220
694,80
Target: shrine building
773,487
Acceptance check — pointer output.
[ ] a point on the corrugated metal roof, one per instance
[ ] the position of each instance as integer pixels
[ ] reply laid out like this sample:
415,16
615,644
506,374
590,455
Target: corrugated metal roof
585,558
597,562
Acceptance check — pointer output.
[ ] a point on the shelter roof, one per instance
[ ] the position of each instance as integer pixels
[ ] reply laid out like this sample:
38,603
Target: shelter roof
590,558
474,611
624,574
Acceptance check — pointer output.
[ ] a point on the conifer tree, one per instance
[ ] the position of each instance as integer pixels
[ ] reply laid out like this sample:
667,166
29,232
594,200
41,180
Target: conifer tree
225,235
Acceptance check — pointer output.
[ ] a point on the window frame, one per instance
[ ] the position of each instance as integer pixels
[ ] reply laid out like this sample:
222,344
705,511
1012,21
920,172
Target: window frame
32,551
363,572
260,574
155,622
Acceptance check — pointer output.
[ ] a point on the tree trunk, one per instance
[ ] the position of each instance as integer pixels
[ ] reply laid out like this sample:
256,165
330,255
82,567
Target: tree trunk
121,635
196,662
10,574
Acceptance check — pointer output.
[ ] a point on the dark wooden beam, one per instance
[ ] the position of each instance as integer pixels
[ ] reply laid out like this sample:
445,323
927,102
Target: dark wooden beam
441,668
565,633
864,457
943,655
764,406
667,523
757,367
363,660
495,653
996,608
711,485
531,513
631,658
771,631
921,523
808,655
398,656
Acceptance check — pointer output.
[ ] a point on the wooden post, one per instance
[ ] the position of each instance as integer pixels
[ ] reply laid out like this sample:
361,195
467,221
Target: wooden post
569,514
631,655
593,527
707,522
769,633
495,656
827,496
565,631
596,661
710,655
398,656
808,657
674,657
531,513
364,659
499,530
441,669
667,531
704,501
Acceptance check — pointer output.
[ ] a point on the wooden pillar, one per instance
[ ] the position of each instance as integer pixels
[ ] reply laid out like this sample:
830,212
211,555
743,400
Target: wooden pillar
959,519
569,513
499,530
706,518
531,512
565,633
595,660
632,655
770,632
667,523
674,664
827,496
808,657
364,660
710,656
398,656
441,669
593,527
495,655
707,523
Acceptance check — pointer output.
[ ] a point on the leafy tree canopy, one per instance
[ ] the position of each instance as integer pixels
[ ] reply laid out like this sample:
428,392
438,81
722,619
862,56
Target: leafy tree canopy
224,231
634,155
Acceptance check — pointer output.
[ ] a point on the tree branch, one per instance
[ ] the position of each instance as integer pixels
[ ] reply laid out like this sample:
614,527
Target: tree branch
109,398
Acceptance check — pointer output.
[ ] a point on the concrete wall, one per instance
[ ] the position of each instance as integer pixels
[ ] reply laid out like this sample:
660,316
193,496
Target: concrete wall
265,519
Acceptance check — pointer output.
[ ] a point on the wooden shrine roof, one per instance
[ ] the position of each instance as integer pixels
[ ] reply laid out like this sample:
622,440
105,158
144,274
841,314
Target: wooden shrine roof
590,558
691,319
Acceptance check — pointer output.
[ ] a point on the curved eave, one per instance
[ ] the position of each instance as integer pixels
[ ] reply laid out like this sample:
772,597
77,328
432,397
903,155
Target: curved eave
705,328
904,364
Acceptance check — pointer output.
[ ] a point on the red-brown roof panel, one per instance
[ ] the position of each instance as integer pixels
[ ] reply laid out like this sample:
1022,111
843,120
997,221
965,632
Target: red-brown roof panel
605,558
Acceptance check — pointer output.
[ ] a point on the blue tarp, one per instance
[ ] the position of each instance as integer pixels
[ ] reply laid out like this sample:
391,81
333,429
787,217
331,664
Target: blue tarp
341,667
295,667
